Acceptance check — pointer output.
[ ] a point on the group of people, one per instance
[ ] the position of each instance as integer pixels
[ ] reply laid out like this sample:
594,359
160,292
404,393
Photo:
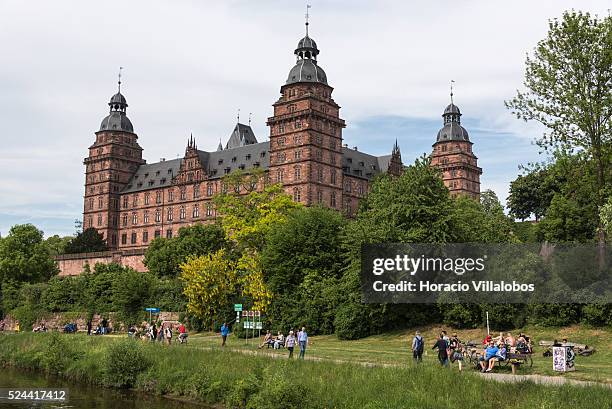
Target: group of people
451,349
165,333
290,341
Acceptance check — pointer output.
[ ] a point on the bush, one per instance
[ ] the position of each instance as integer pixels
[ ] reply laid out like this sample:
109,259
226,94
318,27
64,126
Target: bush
554,315
57,354
279,389
123,362
504,316
351,321
598,315
461,315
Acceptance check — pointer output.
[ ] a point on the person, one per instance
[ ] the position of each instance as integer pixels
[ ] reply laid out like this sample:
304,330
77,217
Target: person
17,327
418,344
98,330
279,341
290,343
442,350
456,351
486,341
510,340
267,339
500,355
303,341
88,327
160,333
499,338
104,325
182,333
153,332
168,334
224,333
488,354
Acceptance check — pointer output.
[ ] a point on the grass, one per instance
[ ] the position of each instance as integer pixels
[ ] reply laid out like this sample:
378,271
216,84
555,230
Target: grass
394,349
237,380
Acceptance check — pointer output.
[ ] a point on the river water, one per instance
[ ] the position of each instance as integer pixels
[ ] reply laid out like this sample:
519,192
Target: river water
83,396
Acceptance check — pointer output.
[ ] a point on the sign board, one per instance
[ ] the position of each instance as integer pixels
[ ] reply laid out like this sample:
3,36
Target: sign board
249,325
258,313
245,313
258,325
237,307
563,359
251,313
156,310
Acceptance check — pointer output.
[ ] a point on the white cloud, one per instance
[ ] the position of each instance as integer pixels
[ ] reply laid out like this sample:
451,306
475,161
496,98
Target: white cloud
190,65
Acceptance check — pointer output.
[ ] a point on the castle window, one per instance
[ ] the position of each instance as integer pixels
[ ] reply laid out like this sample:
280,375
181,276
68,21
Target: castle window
125,202
320,174
292,108
145,236
190,176
347,187
91,203
333,200
170,171
99,220
333,177
262,154
133,238
196,211
114,239
227,170
297,154
298,124
319,197
171,195
209,189
220,161
115,220
158,216
196,191
182,213
223,188
209,210
169,214
146,217
146,175
234,159
157,233
124,238
248,157
124,219
241,167
147,198
279,176
134,218
183,193
158,197
100,203
297,196
253,184
151,182
157,173
360,189
297,172
237,188
134,200
319,154
169,233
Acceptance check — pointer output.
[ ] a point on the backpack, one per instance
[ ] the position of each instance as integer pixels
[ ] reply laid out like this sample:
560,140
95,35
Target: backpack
419,344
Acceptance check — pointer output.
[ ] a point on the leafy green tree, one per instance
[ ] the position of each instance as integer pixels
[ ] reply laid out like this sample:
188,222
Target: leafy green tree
57,245
606,216
63,294
164,256
86,241
568,90
24,256
130,290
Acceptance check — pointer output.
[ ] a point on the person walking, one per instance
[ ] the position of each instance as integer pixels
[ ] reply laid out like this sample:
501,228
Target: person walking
290,342
224,333
88,327
418,344
168,334
303,341
442,350
160,333
456,351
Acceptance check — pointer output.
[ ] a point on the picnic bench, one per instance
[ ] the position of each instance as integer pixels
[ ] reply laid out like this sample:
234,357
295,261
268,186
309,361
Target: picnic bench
580,349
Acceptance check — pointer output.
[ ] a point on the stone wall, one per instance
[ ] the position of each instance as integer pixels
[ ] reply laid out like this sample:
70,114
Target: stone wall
74,264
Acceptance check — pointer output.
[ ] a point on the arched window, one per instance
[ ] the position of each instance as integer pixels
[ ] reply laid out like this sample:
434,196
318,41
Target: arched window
297,196
297,172
182,213
333,200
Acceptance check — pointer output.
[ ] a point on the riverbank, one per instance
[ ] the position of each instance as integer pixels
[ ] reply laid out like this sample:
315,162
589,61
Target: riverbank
239,381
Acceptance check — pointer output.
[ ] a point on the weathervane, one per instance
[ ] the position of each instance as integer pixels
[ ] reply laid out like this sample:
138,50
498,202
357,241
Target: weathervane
238,116
250,113
307,16
451,88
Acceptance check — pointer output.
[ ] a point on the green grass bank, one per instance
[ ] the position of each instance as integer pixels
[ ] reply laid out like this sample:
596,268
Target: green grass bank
236,380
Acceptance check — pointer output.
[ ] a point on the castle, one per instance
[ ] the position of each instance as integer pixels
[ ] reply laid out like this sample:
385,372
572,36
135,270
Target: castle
131,202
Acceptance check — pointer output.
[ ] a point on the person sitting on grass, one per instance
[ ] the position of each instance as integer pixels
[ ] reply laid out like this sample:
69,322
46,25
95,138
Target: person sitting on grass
488,354
267,340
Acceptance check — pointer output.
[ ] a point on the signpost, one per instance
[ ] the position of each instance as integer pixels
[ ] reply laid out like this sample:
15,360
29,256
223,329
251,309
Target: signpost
252,322
151,311
237,308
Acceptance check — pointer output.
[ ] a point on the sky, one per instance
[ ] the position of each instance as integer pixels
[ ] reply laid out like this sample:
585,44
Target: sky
189,66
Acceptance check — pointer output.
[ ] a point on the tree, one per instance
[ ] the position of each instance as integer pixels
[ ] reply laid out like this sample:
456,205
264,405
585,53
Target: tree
24,256
86,242
57,245
606,216
164,256
569,90
210,282
130,291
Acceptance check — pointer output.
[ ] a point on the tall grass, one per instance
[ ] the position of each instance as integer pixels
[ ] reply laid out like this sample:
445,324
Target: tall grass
241,381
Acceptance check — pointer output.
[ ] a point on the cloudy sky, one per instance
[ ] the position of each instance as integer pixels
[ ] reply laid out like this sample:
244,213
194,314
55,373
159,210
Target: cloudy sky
190,65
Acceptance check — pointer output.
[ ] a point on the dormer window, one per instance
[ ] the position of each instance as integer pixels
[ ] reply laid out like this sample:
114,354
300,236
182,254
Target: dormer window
263,154
234,159
361,164
248,156
170,171
349,160
220,161
146,175
157,173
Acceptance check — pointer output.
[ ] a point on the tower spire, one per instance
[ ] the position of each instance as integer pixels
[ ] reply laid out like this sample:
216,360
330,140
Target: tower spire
250,113
307,16
451,90
238,116
119,81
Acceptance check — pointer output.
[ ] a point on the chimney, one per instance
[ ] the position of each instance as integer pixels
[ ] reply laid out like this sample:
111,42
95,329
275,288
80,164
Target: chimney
354,147
162,159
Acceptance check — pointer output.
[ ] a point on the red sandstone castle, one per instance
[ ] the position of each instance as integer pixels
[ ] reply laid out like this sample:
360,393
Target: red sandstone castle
131,202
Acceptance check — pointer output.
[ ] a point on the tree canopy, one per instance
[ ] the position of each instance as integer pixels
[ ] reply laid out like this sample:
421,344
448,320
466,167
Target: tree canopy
86,241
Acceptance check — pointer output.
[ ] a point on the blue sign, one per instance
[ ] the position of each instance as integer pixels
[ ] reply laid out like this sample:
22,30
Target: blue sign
152,309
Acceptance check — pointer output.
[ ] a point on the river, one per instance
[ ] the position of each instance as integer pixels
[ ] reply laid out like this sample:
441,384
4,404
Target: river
84,396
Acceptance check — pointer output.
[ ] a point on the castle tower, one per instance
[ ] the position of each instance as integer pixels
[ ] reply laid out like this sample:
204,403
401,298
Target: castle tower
113,158
453,155
306,133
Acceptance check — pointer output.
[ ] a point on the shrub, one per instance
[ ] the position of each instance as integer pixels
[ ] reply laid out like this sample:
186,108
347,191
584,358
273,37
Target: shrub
124,361
242,390
56,354
461,315
598,315
554,315
279,389
351,321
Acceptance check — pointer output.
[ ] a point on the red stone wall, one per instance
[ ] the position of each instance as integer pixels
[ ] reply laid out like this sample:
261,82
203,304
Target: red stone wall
74,264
